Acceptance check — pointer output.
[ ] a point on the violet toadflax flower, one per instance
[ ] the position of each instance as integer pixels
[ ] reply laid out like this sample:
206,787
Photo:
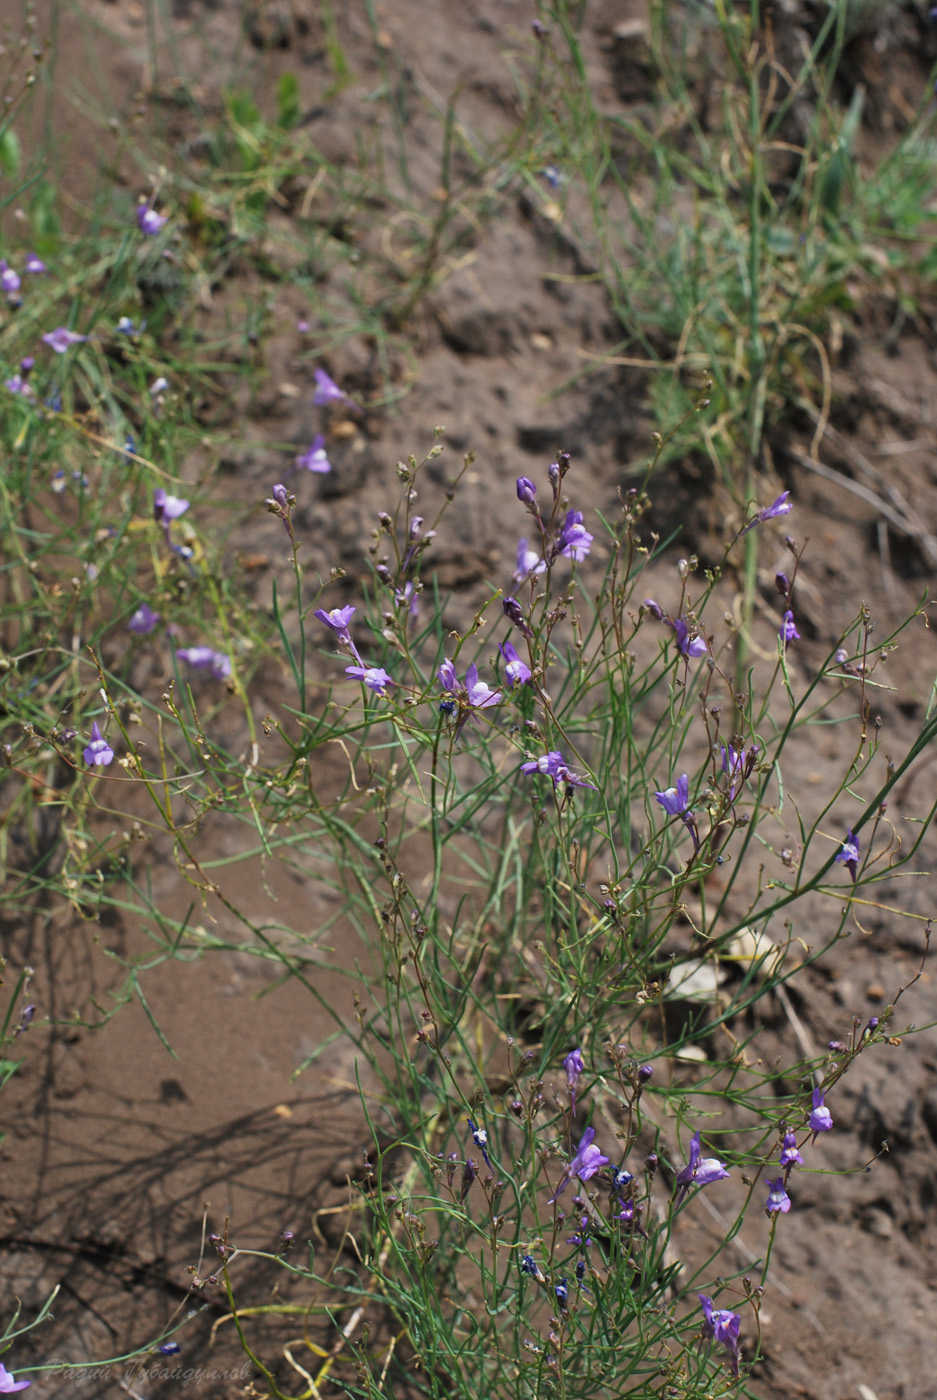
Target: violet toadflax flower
778,1199
790,1156
782,506
471,694
574,540
675,800
480,1139
143,620
34,265
167,508
848,854
788,630
373,677
722,1326
527,492
148,221
62,338
315,459
690,646
574,1066
216,663
529,563
554,766
337,621
99,750
516,670
9,280
7,1383
821,1119
327,391
699,1171
586,1162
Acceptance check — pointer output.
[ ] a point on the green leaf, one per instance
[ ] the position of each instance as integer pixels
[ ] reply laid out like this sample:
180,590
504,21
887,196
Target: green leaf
10,153
288,101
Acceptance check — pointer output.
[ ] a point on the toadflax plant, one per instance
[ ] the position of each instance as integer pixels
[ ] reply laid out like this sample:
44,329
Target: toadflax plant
559,850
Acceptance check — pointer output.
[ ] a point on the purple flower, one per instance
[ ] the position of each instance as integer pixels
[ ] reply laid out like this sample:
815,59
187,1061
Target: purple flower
100,752
469,1173
407,597
216,663
554,765
514,614
574,541
34,265
530,1266
790,1156
471,694
327,391
821,1119
788,629
529,563
167,508
690,646
143,620
526,491
778,1199
574,1066
9,280
675,800
782,506
480,1139
315,459
587,1161
148,221
338,620
61,338
372,676
722,1326
848,854
698,1171
516,670
125,326
8,1384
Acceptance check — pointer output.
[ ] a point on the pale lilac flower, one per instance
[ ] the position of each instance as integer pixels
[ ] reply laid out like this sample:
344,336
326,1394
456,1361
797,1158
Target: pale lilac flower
315,459
848,854
167,508
790,1156
327,391
587,1161
554,766
143,620
529,563
690,646
159,386
574,541
7,1384
19,382
98,751
61,338
373,677
655,610
788,630
821,1119
148,221
699,1171
516,670
216,663
676,800
34,265
471,694
722,1326
338,620
9,280
778,1199
574,1065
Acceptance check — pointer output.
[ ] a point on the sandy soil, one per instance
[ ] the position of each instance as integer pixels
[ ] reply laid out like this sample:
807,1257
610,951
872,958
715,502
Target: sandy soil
114,1147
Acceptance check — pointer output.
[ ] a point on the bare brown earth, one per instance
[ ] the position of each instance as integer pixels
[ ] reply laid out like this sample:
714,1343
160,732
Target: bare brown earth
115,1148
